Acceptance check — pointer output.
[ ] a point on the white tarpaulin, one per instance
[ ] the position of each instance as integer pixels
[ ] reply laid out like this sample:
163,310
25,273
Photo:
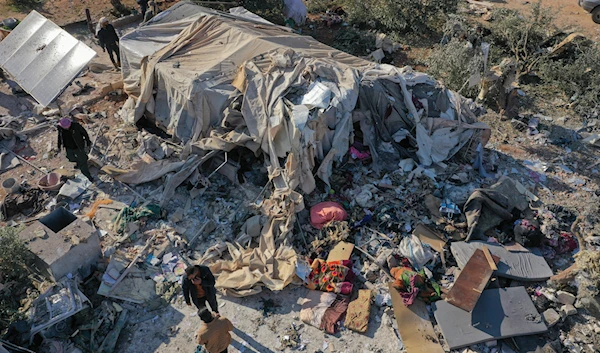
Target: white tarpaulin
42,57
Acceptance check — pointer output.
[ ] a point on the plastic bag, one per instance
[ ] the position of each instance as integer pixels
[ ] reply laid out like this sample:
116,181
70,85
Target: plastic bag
412,248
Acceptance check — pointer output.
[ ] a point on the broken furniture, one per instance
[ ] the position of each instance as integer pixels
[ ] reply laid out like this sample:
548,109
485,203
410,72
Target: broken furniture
472,280
521,265
62,244
56,305
499,313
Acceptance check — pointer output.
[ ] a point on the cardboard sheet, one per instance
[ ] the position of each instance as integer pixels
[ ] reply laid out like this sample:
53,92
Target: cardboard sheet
341,251
414,325
524,266
499,313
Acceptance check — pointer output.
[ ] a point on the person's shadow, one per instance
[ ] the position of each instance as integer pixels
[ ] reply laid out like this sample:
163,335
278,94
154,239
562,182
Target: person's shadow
248,343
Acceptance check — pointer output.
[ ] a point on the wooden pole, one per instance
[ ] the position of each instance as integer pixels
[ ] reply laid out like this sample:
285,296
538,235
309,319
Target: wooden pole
88,16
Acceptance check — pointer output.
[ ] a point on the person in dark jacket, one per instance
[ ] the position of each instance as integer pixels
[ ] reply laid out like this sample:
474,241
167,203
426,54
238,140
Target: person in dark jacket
143,6
73,137
109,40
198,286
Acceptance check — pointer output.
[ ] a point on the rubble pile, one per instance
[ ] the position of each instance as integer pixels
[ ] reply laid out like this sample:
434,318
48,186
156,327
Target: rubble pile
364,197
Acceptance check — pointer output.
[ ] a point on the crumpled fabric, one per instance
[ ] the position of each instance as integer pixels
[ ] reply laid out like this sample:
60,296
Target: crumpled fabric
251,269
333,276
411,284
487,208
325,212
359,310
132,214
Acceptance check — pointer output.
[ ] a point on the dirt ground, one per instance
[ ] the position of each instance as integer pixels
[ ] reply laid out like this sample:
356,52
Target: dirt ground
63,12
568,14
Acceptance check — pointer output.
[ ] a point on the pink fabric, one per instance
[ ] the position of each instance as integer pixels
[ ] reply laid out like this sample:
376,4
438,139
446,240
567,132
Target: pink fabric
356,154
325,212
65,123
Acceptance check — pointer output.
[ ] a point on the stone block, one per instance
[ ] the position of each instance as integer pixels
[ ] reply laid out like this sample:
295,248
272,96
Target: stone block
565,297
551,317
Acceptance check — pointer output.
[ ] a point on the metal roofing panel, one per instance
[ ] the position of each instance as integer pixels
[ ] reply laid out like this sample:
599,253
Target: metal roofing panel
43,58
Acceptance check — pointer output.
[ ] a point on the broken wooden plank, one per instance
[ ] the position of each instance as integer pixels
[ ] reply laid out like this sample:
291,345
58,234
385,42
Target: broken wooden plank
471,282
489,259
500,313
414,325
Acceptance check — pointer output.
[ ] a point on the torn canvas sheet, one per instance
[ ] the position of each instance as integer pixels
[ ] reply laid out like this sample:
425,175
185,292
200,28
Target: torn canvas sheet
251,269
8,161
487,208
145,172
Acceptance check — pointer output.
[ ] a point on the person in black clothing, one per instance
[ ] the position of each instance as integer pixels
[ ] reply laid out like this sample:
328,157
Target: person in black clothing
143,7
73,137
198,286
107,36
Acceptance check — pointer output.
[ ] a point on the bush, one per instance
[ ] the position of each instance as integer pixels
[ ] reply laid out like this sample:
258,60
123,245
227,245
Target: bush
400,16
522,36
318,6
355,42
454,63
270,10
13,254
578,76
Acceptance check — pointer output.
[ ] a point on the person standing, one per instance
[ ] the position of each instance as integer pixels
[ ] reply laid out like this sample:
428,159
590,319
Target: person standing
198,286
75,139
109,40
143,7
214,334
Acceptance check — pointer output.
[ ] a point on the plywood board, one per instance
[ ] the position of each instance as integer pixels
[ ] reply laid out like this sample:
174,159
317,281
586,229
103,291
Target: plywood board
471,282
414,325
342,251
524,266
499,313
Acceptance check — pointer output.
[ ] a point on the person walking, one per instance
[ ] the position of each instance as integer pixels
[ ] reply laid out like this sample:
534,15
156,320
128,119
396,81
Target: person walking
75,139
143,7
198,286
214,334
109,40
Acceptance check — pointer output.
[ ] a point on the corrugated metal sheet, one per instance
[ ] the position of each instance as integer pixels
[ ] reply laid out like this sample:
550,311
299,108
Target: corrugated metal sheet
42,57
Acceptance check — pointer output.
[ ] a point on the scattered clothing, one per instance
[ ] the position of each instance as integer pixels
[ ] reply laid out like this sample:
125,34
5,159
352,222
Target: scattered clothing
527,233
332,317
215,335
359,310
411,284
333,276
325,212
324,310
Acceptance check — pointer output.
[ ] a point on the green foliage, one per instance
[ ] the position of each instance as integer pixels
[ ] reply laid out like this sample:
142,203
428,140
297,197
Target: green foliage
355,42
13,254
454,63
400,16
25,5
271,10
578,76
522,35
319,6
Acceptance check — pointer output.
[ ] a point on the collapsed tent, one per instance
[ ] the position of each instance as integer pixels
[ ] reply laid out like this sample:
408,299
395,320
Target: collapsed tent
219,81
